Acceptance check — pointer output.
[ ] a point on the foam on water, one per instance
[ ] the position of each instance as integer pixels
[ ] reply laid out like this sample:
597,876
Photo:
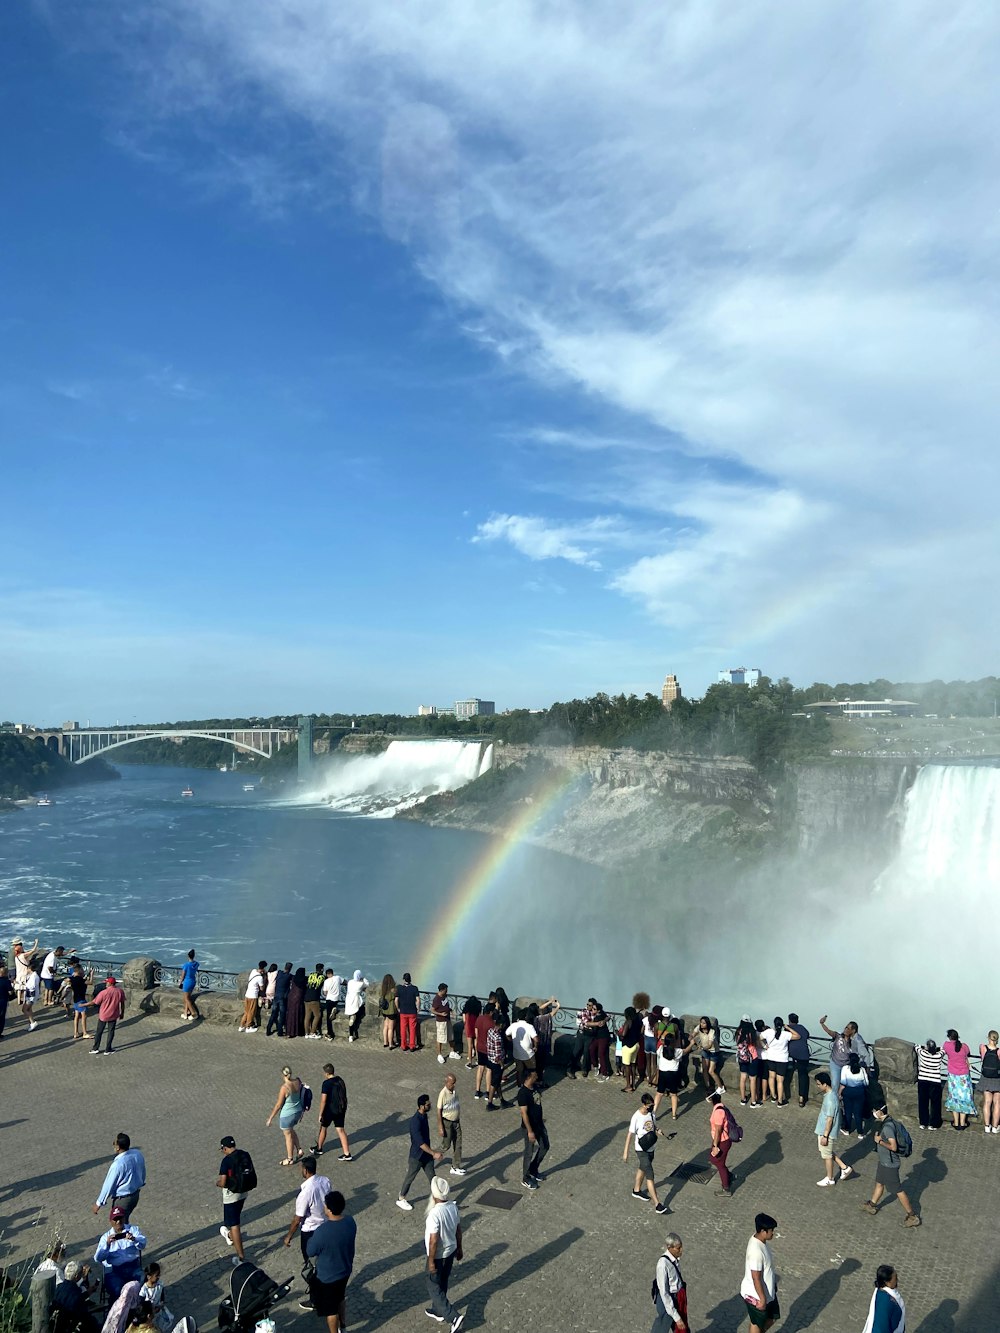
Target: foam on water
402,775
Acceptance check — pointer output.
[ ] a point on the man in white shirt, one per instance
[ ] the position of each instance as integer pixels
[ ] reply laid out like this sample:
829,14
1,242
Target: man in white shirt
525,1042
759,1287
50,969
443,1242
309,1215
256,986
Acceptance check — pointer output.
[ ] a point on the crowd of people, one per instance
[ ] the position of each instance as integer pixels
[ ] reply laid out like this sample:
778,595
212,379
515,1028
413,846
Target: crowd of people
508,1052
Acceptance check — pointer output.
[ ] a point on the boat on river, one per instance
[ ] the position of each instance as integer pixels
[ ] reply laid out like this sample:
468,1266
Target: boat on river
248,786
188,791
43,800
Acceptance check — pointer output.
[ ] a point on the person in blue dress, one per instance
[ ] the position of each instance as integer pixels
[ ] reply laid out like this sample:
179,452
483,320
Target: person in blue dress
189,984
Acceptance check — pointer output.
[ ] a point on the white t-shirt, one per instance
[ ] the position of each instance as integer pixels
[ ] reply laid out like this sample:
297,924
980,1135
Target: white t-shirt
777,1047
668,1066
641,1123
309,1204
32,985
442,1221
255,985
447,1103
524,1036
759,1260
49,966
355,995
331,990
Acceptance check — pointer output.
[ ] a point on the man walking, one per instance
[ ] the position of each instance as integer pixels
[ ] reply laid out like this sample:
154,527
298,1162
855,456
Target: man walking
422,1155
827,1129
536,1139
449,1125
407,998
887,1171
313,997
252,997
279,1005
333,1111
443,1243
721,1124
126,1177
110,1006
441,1009
309,1211
119,1252
331,1247
759,1287
232,1177
671,1290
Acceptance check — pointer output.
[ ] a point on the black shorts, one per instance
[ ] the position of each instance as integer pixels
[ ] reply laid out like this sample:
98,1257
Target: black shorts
778,1067
760,1317
231,1213
668,1080
887,1176
335,1118
483,1059
327,1297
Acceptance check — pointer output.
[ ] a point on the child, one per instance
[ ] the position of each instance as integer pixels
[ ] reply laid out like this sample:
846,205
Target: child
32,985
152,1291
78,984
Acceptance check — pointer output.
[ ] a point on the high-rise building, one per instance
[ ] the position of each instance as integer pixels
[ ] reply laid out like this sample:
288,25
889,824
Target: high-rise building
671,691
740,676
427,710
474,708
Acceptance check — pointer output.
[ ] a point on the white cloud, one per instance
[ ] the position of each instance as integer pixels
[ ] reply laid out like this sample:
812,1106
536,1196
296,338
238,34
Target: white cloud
540,540
779,243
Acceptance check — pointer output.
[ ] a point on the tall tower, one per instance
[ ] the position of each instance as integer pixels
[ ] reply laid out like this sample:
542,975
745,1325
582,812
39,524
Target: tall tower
671,691
305,747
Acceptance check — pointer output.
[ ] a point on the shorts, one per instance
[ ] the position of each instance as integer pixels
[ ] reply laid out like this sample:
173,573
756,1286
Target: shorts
443,1035
522,1066
49,983
644,1162
777,1067
231,1213
712,1057
483,1059
80,1008
825,1150
751,1067
334,1118
496,1074
887,1176
327,1297
629,1053
289,1121
649,1045
668,1080
760,1317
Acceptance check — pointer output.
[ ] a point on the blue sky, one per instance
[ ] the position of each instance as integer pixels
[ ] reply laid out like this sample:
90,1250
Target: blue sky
359,356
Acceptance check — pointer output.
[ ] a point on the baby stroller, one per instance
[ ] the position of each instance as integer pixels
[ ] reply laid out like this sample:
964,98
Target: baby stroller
251,1295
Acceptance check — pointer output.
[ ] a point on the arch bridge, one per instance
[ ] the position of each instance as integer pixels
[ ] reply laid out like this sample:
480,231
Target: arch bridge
83,743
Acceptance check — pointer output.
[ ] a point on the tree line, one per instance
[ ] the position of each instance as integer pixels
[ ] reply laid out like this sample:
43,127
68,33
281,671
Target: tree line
28,766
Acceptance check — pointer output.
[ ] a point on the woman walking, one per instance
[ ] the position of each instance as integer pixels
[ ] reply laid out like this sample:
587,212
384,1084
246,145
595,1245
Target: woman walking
748,1060
989,1083
354,1004
959,1100
387,1011
707,1049
929,1084
643,1133
886,1313
296,1003
189,981
853,1089
288,1109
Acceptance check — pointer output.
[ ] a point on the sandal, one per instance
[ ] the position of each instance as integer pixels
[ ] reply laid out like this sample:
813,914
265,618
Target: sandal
286,1161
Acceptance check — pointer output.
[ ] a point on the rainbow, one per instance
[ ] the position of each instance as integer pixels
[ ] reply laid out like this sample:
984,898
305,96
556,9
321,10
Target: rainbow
469,899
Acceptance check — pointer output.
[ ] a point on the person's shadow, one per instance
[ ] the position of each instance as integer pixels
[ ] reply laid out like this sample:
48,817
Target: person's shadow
808,1307
767,1153
942,1320
927,1171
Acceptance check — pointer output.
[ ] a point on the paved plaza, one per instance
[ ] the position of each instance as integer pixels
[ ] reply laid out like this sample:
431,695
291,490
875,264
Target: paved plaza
577,1255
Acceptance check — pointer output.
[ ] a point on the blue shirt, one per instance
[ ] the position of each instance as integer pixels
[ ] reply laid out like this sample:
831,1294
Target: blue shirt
126,1175
281,984
799,1050
830,1107
332,1246
419,1135
115,1252
190,974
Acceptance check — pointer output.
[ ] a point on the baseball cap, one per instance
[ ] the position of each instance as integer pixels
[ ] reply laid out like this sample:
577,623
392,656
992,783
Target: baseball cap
666,1011
746,1019
228,1142
111,981
117,1212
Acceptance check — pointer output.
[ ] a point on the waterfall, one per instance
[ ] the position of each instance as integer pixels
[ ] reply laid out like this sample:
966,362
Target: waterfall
404,773
950,842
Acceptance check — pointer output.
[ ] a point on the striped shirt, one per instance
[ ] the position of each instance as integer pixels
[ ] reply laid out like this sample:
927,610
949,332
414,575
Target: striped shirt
928,1065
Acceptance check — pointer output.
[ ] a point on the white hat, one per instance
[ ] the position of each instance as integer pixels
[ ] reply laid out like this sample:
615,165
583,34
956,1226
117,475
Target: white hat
746,1019
440,1188
666,1012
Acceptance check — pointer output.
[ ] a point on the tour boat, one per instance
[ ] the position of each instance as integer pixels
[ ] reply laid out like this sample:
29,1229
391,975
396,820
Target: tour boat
248,786
188,791
43,800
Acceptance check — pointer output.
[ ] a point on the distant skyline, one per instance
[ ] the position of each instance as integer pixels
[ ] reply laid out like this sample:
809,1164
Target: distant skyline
359,356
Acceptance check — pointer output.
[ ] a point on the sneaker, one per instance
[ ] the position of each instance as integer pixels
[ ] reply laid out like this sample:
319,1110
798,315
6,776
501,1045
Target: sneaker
457,1323
350,1038
224,1233
345,1157
478,1097
661,1208
860,1137
236,1261
727,1192
922,1126
911,1221
604,1078
847,1173
529,1184
32,1026
242,1029
754,1104
405,1204
438,1318
251,1029
305,1303
638,1194
454,1055
744,1101
869,1208
440,1059
93,1052
537,1177
469,1064
107,1052
827,1180
457,1171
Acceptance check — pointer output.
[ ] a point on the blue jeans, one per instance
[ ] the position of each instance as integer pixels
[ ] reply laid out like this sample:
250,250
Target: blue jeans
277,1018
437,1289
853,1099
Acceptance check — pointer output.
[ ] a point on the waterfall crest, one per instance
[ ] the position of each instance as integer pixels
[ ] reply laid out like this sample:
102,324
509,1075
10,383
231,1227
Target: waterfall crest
402,775
950,841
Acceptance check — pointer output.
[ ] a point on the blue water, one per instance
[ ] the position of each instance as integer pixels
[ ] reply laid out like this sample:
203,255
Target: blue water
131,868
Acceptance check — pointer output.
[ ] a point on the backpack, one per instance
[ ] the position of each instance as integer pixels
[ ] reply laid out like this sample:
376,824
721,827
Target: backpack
242,1175
338,1095
736,1130
307,1096
904,1143
991,1064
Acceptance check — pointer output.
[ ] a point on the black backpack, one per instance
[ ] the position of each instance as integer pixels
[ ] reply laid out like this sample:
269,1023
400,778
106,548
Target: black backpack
242,1176
991,1063
337,1096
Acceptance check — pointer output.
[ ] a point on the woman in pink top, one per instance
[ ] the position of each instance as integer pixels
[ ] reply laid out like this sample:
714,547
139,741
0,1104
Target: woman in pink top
959,1100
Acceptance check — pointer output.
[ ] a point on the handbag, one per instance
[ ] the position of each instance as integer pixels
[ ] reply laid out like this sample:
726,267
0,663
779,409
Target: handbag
647,1141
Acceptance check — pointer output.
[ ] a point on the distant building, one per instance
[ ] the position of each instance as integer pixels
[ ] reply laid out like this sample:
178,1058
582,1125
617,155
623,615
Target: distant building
71,726
740,676
427,710
865,708
465,708
671,691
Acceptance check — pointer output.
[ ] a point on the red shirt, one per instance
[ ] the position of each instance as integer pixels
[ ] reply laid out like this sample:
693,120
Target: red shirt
110,1004
484,1026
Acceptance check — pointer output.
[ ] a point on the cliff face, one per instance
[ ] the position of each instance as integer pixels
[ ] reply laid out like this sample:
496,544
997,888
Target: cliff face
858,804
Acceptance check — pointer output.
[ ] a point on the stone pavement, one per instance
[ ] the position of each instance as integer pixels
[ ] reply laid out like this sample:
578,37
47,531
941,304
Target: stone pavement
578,1254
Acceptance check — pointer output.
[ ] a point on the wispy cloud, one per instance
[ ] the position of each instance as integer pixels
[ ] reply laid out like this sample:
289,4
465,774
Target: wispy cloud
539,539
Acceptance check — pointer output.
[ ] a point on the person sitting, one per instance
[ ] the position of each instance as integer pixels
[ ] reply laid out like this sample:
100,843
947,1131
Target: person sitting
119,1252
70,1311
